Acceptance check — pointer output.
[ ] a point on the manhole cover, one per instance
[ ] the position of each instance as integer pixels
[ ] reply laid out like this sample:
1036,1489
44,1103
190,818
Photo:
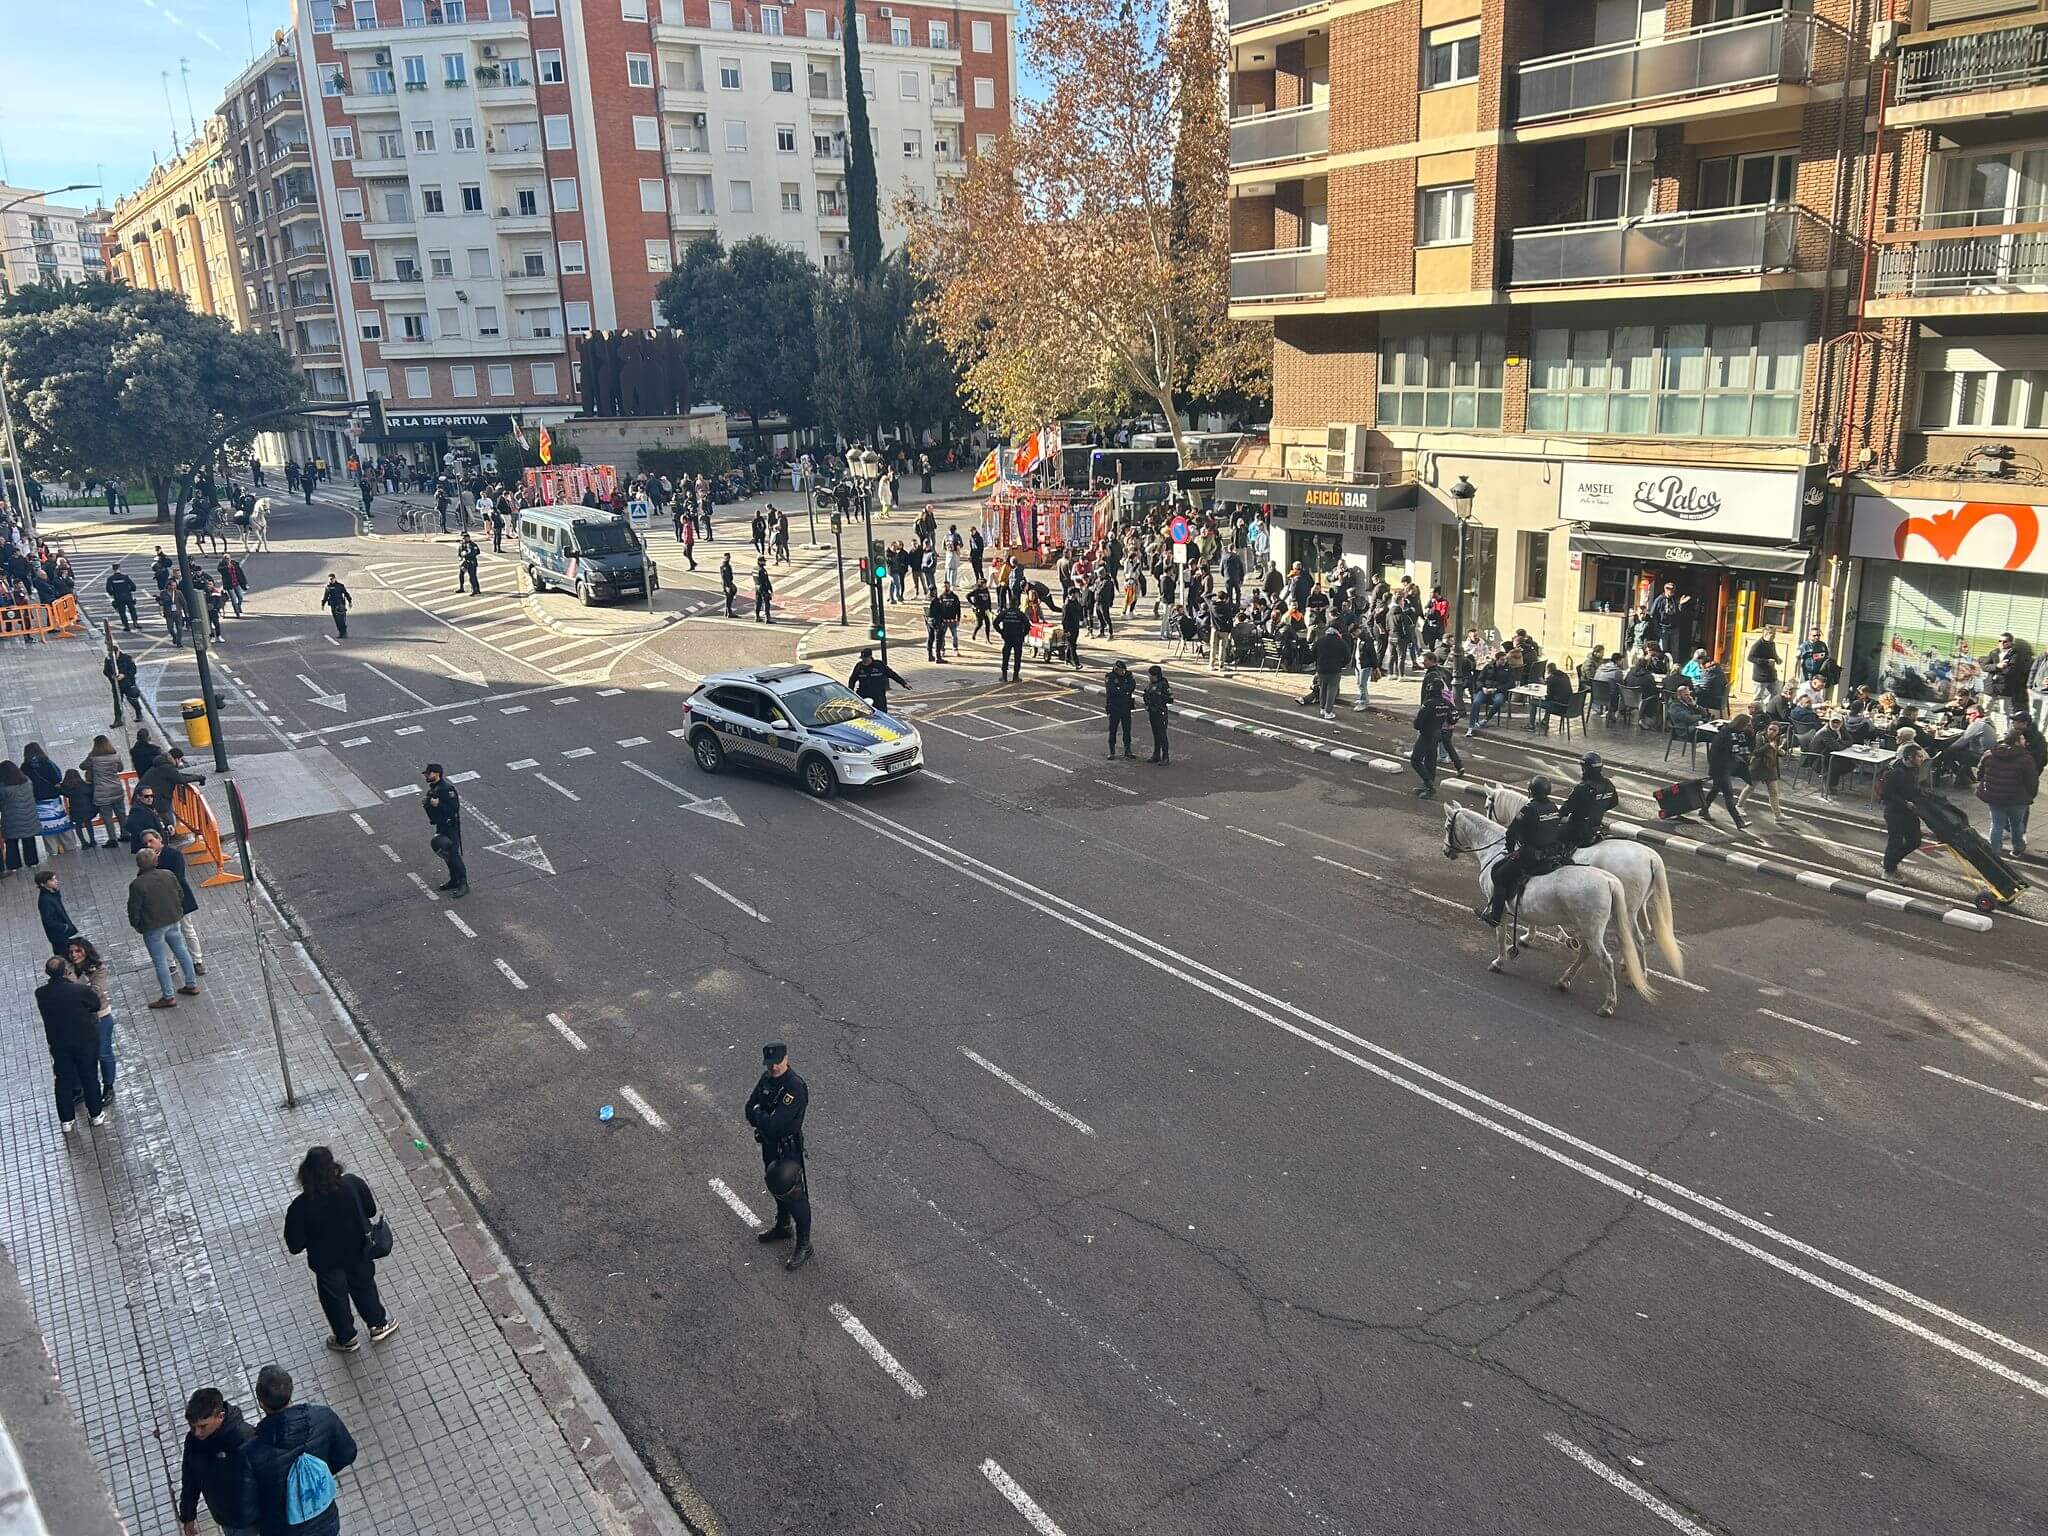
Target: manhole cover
1765,1069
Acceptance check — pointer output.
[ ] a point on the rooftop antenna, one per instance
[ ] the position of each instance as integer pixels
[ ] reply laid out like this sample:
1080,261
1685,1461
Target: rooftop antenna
4,174
249,23
191,119
176,147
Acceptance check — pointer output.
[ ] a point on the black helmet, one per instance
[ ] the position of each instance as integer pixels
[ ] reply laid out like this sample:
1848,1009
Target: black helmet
1591,763
785,1178
1539,788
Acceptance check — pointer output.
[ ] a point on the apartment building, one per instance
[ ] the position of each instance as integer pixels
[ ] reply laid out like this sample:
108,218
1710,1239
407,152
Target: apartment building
177,232
45,242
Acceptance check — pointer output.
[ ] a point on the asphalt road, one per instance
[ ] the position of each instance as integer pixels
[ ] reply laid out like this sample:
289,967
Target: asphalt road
1169,1137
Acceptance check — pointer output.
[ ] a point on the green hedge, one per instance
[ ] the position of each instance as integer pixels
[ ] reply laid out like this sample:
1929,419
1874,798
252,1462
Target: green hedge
693,459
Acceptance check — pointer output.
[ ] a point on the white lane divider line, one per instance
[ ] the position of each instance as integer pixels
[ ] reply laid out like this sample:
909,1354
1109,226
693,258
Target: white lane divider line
858,1332
566,1032
1442,901
650,774
1119,788
1786,1018
580,752
567,698
561,789
1678,981
390,853
642,1108
409,730
679,732
356,817
523,764
1350,869
513,709
460,926
1027,1090
609,693
510,974
1996,1093
1024,1504
402,790
1636,1491
426,890
940,777
1258,836
634,741
463,720
1185,811
357,741
739,1207
1050,764
464,777
754,912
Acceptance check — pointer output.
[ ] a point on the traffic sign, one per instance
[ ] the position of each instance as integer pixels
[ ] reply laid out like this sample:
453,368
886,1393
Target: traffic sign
1180,530
640,511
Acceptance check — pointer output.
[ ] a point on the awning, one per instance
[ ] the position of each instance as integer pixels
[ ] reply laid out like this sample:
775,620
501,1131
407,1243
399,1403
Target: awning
1775,559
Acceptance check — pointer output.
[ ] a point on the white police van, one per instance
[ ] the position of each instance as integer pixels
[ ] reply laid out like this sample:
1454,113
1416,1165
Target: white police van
594,554
800,722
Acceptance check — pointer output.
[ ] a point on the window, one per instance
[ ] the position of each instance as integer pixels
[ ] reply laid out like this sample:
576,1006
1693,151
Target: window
913,144
462,134
447,322
543,378
647,133
823,148
549,62
350,201
542,7
323,15
487,322
652,198
736,133
563,189
516,71
455,69
899,32
867,83
660,320
370,324
423,138
440,264
658,255
629,10
526,202
984,144
387,144
860,26
640,70
1743,181
415,66
814,23
472,197
431,200
462,382
341,143
500,378
1442,379
1535,563
983,35
418,384
906,84
984,92
936,35
364,12
1448,61
728,74
742,200
771,21
359,268
576,318
785,138
397,206
721,15
379,82
1445,215
378,379
412,327
554,131
782,78
1679,380
792,198
480,264
571,254
533,263
1972,399
334,84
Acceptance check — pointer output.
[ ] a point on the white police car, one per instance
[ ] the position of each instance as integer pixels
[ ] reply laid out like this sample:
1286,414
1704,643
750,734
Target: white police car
799,722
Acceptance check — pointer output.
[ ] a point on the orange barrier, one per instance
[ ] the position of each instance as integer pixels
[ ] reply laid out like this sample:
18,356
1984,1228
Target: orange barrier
193,811
34,621
64,617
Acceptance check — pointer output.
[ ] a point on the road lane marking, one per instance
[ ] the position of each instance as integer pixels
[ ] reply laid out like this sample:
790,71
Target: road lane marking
403,789
357,741
523,764
460,926
464,777
1350,869
559,788
754,913
1996,1093
515,709
648,773
944,780
417,698
356,817
634,741
425,890
580,752
1024,1504
1786,1018
510,975
858,1332
738,1206
408,730
567,698
1676,981
680,731
642,1108
609,693
390,853
1051,764
566,1032
1185,811
463,720
1119,788
1260,836
1027,1090
1636,1491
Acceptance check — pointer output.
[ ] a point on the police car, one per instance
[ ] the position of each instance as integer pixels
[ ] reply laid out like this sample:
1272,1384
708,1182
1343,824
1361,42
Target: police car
799,722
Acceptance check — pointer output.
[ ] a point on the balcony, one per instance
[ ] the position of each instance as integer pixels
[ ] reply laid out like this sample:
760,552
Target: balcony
1697,243
1724,59
1975,262
520,281
398,287
682,98
949,165
515,157
371,163
2008,67
279,101
314,254
504,93
688,153
692,221
1267,138
1260,276
511,222
1249,13
389,229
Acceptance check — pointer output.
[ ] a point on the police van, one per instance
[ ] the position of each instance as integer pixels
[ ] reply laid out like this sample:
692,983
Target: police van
594,554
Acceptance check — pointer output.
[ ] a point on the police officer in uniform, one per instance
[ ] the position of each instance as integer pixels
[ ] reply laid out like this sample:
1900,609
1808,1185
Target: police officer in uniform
1535,846
1586,807
444,809
775,1109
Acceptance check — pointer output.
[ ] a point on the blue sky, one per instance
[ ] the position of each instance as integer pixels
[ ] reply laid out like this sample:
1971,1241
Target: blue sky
84,96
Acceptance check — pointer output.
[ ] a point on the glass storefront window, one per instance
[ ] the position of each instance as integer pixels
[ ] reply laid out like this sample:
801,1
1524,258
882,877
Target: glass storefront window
1683,380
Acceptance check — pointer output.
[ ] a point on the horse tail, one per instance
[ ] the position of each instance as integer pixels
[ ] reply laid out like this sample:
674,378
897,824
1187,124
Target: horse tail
1623,923
1661,926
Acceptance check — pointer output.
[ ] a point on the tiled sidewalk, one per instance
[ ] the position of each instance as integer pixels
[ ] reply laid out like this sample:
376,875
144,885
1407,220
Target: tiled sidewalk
151,1247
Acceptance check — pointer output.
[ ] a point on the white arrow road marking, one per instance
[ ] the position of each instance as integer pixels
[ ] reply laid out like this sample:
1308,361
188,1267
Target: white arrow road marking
758,916
1025,1505
858,1332
460,674
524,850
334,701
713,806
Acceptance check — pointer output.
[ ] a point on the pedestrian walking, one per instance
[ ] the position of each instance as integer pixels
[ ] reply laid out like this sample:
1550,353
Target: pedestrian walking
121,590
686,532
20,824
1765,768
233,581
172,860
1763,664
1432,720
1332,654
1897,783
50,910
70,1011
757,530
1070,629
764,593
101,770
444,812
467,558
1012,626
333,1221
1728,755
335,598
2007,782
214,1469
775,1109
983,605
935,630
155,906
119,671
46,779
780,523
87,966
871,679
292,1459
1119,691
1158,698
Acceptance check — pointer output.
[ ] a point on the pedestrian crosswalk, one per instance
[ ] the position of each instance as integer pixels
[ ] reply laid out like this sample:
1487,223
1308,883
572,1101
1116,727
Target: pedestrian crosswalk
497,616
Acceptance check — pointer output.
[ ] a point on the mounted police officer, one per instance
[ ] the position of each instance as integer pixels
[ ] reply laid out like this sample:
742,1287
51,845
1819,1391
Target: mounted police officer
1535,846
775,1110
1586,807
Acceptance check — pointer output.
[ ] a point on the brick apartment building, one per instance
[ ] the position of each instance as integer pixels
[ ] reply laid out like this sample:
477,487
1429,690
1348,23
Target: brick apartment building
1641,273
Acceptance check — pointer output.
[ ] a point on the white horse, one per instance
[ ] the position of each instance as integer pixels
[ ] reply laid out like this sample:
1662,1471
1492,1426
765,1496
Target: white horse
1581,900
1639,868
257,533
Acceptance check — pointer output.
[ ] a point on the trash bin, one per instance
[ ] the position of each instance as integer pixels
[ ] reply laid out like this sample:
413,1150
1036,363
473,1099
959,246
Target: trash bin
197,731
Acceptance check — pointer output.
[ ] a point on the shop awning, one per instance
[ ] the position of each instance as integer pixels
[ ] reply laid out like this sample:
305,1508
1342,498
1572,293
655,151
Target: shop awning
1773,559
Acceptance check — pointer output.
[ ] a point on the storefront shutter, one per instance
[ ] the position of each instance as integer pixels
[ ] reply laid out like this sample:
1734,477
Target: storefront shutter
1983,354
2002,601
1966,10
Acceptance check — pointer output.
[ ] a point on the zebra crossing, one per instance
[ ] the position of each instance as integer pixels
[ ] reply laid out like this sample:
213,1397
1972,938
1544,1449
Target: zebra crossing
497,617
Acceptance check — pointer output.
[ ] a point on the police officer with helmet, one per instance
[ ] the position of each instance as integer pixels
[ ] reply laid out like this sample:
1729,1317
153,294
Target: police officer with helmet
1586,807
1535,846
775,1110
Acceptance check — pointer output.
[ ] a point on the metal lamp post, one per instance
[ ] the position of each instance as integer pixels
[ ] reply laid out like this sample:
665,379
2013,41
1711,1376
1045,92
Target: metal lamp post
1463,495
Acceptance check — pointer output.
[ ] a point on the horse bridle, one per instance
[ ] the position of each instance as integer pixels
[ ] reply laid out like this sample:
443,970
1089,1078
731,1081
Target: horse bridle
1452,847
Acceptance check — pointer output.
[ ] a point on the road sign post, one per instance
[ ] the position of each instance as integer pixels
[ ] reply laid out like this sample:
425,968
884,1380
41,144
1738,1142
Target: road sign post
240,815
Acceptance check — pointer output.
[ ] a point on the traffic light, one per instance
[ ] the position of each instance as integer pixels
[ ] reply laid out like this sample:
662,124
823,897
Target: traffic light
877,632
375,433
865,576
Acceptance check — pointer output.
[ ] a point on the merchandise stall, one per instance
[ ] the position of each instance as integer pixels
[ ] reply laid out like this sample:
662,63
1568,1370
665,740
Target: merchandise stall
553,485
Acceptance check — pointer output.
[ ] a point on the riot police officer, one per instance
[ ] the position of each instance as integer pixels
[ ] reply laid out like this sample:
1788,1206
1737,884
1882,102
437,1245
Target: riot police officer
1535,846
775,1109
1586,807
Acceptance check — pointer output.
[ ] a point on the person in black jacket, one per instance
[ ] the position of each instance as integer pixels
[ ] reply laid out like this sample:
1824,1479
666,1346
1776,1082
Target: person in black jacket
214,1468
335,598
1158,697
57,925
1119,690
1727,755
71,1029
119,671
775,1109
329,1222
1013,626
871,679
143,816
143,754
121,588
1586,807
444,810
287,1433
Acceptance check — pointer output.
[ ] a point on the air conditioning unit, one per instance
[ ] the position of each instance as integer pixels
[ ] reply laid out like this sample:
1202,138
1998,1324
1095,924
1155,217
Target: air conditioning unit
885,13
1344,458
381,56
489,50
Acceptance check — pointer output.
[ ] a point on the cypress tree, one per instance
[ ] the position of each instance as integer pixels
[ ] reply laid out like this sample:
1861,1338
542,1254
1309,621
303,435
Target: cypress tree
863,200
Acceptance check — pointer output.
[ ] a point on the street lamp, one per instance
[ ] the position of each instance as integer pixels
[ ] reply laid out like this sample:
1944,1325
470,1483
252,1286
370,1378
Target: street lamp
6,411
1462,495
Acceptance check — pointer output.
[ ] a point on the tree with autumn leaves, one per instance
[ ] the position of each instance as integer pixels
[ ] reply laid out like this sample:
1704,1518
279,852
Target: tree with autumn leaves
1086,258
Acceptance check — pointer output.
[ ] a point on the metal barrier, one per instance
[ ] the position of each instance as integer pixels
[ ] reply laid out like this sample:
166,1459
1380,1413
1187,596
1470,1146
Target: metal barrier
37,621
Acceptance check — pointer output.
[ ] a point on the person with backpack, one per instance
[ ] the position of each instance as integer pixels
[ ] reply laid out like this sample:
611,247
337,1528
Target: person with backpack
333,1222
292,1459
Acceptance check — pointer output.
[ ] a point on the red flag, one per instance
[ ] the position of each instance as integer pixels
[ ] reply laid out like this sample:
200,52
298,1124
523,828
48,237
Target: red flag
547,447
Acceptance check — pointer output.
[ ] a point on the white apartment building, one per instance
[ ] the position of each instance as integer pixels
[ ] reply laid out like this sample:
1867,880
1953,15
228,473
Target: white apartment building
45,242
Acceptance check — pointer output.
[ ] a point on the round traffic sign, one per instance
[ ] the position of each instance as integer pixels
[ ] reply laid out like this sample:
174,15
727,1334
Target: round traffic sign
1179,530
